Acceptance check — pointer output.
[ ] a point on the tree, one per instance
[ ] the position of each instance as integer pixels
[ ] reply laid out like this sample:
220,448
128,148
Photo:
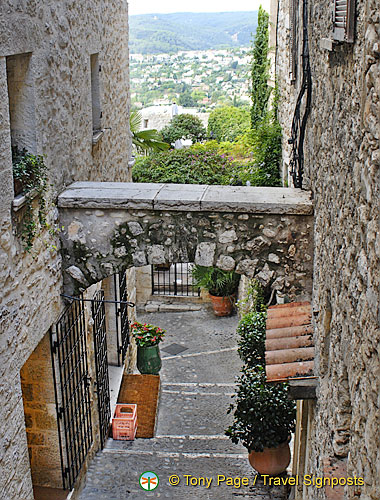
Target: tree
184,126
228,123
145,140
260,70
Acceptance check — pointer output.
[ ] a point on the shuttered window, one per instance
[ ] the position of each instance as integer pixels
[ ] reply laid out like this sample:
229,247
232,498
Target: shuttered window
344,20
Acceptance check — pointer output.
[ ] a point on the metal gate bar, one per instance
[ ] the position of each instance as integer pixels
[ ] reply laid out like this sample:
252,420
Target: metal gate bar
71,385
175,279
122,321
101,364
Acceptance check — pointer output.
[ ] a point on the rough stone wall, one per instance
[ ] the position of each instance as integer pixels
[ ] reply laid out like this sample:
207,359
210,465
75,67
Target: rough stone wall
60,37
342,162
276,249
40,416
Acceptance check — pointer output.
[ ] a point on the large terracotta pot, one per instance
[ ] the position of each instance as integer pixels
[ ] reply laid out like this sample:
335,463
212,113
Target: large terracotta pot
272,461
149,360
222,305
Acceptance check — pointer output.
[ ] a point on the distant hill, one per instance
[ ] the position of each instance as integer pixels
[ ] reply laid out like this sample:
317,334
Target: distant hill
169,33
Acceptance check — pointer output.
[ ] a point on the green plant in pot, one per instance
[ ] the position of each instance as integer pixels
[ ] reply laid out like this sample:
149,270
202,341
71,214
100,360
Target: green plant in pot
147,339
221,285
264,419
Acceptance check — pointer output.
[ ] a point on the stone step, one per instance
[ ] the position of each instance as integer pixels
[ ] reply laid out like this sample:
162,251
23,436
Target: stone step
193,445
194,388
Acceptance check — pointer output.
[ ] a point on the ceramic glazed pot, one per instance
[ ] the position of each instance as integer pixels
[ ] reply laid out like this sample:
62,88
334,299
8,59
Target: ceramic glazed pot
222,305
149,360
272,461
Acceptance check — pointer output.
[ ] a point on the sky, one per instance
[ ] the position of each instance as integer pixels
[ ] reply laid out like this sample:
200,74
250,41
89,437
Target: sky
169,6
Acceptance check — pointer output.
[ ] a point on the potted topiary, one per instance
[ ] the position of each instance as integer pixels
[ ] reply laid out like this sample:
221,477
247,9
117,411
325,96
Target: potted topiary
147,339
221,285
264,418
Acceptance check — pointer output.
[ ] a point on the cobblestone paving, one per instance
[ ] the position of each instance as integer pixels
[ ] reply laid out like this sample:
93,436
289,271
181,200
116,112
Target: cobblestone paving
196,388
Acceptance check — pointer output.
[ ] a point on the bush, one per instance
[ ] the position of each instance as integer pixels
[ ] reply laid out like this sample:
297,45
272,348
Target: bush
183,166
228,123
184,126
251,330
264,417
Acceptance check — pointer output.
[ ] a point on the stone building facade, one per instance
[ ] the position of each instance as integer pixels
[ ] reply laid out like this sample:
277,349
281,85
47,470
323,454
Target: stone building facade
342,170
63,94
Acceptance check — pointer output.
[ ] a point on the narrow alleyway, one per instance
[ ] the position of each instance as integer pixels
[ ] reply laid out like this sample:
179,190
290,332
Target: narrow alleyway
196,388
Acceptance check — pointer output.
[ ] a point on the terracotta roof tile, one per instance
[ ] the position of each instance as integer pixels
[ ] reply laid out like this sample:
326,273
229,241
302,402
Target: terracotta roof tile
289,341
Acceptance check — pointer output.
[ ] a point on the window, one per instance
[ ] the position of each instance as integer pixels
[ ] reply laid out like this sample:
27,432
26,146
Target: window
146,123
22,111
95,94
344,20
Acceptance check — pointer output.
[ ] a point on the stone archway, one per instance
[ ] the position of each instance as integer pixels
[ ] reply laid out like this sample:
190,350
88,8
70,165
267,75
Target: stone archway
260,232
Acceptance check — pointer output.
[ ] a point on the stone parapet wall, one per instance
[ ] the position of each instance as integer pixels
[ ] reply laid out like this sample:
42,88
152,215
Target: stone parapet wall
261,232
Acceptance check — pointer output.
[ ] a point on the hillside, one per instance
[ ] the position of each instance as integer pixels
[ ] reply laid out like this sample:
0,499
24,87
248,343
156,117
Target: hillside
170,33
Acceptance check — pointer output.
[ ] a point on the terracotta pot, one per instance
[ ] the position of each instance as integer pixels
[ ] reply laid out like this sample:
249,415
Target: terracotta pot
222,305
272,461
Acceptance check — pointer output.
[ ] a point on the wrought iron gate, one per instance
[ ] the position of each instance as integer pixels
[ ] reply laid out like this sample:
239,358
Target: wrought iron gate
174,279
101,364
71,383
122,322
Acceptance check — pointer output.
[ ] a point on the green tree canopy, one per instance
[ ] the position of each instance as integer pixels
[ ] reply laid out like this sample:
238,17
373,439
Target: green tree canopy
228,123
260,70
184,126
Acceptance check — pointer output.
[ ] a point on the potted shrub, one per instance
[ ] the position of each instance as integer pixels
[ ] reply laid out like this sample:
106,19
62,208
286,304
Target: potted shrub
147,339
221,285
264,418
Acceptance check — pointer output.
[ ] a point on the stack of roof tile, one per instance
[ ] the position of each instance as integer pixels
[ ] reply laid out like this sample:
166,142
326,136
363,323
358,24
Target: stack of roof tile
289,342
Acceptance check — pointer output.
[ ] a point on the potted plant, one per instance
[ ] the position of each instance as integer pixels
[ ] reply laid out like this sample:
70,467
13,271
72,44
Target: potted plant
264,418
147,339
221,285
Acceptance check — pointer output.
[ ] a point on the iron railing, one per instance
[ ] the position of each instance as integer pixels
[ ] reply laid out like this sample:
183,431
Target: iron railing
174,279
101,364
71,385
122,321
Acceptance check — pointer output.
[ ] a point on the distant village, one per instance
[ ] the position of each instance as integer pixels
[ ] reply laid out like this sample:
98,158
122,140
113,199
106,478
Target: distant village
192,79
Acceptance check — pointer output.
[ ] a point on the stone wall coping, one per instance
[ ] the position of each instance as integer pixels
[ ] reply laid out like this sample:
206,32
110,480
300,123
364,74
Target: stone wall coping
186,197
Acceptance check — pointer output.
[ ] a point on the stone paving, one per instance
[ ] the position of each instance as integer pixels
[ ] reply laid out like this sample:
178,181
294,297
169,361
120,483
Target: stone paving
196,389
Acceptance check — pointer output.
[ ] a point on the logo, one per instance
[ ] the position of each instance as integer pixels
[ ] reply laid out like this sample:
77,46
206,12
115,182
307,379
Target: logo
148,481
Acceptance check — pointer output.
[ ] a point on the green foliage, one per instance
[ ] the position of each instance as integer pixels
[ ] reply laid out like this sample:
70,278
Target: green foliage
264,417
260,70
253,300
184,126
228,123
251,331
30,178
216,281
169,33
145,140
183,166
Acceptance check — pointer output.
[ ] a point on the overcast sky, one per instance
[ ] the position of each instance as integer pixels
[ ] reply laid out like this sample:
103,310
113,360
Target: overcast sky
168,6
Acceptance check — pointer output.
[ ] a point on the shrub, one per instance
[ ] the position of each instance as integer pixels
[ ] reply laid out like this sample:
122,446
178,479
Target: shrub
264,417
216,281
184,126
251,329
183,166
228,123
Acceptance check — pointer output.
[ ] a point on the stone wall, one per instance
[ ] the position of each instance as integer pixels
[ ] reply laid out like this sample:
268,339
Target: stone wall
262,233
59,38
342,164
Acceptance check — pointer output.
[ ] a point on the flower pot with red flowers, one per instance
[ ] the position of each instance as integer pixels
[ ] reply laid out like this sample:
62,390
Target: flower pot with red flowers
221,285
147,339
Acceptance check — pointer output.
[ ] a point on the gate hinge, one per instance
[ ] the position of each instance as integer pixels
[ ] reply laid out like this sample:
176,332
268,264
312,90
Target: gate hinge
55,346
60,412
87,381
65,472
